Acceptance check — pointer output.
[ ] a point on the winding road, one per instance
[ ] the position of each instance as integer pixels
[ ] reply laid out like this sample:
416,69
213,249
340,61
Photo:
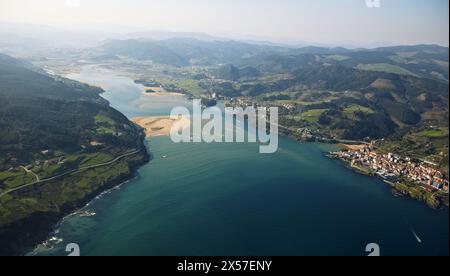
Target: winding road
30,171
38,181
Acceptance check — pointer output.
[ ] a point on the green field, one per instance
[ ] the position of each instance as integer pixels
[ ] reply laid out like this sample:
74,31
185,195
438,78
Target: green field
385,67
442,63
438,76
95,159
435,133
352,109
407,54
312,116
307,103
73,161
190,85
106,124
69,190
14,179
338,57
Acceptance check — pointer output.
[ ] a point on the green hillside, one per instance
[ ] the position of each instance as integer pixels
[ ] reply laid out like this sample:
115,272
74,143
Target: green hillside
60,145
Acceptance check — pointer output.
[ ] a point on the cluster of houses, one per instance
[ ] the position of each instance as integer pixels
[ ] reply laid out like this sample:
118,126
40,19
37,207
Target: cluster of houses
45,163
290,107
244,102
305,133
247,102
392,166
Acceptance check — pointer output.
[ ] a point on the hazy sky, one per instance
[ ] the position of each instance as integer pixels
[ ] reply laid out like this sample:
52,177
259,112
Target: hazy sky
320,21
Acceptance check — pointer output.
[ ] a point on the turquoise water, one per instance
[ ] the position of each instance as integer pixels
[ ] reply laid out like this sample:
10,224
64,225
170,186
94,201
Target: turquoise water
126,96
227,199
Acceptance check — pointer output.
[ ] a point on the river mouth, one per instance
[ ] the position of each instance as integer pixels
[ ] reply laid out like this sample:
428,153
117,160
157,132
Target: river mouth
227,199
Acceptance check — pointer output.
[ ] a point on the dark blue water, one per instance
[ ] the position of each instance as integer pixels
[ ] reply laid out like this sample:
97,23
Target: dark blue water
227,199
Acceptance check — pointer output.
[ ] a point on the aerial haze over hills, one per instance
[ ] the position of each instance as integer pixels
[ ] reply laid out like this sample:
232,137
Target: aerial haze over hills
287,21
86,89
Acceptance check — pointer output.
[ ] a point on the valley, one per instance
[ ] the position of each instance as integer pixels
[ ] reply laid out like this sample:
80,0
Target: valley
323,95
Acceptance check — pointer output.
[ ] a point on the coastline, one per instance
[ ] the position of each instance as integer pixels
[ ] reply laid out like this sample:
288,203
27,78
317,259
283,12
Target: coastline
155,126
17,238
55,229
159,91
396,190
436,200
174,94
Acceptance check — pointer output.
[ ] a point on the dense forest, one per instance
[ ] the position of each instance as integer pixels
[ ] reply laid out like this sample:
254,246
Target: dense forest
61,145
40,112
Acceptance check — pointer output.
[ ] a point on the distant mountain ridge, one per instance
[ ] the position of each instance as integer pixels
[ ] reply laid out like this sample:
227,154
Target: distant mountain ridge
429,61
185,51
40,111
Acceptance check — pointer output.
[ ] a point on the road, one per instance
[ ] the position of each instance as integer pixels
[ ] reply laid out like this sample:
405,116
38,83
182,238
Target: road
38,181
29,171
337,140
352,142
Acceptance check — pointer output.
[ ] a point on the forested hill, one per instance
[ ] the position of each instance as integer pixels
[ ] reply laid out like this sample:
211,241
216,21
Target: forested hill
61,145
20,79
425,61
40,112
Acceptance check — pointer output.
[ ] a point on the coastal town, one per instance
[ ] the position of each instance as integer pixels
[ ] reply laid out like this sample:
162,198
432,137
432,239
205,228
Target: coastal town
393,168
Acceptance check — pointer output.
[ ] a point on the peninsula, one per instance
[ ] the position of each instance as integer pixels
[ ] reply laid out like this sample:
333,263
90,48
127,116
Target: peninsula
61,145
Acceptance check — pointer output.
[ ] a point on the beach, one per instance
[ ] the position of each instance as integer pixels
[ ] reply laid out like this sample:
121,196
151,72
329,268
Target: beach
273,198
158,91
161,125
354,147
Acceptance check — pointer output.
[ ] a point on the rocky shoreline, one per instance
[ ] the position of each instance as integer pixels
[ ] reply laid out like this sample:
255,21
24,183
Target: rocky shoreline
398,189
23,235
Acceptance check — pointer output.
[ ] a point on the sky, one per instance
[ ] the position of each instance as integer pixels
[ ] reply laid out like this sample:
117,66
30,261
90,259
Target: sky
288,21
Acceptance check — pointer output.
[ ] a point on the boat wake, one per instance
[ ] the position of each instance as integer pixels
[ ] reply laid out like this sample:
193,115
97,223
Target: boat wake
419,240
415,235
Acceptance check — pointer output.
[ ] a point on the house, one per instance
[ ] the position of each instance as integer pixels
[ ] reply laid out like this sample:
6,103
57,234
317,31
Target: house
289,107
96,144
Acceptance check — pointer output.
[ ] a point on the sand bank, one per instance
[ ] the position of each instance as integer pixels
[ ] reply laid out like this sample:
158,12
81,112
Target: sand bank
158,91
161,125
